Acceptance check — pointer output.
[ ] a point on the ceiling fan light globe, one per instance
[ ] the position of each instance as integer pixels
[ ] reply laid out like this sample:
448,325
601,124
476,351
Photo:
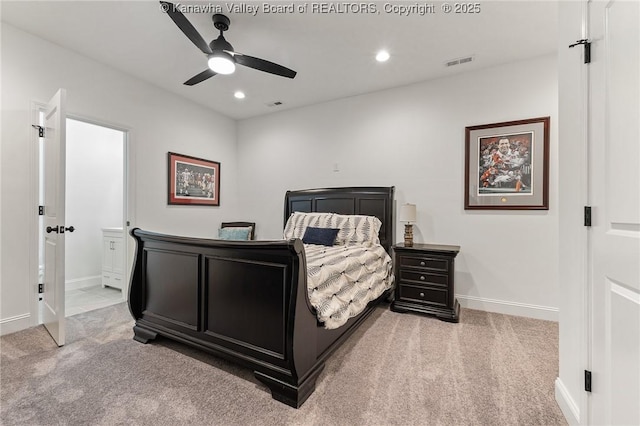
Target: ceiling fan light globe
221,63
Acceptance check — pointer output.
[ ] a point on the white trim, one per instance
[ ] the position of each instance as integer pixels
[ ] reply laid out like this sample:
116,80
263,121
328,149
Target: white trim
567,405
83,282
586,243
34,231
509,308
15,323
129,208
624,292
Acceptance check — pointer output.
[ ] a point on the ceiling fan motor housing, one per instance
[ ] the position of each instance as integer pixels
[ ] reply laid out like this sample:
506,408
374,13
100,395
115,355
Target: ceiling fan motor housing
221,22
221,44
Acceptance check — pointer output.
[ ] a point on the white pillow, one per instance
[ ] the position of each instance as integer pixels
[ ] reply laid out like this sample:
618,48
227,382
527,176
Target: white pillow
354,229
359,229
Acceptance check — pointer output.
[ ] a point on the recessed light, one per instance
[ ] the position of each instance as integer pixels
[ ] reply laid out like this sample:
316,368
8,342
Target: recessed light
239,95
382,56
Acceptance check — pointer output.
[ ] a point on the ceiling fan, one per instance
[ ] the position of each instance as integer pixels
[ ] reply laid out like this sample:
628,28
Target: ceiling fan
222,59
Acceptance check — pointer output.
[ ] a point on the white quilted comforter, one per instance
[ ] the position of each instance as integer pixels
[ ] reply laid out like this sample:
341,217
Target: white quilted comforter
343,279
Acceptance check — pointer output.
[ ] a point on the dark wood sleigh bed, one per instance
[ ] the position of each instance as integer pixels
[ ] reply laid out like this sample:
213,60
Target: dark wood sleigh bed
247,301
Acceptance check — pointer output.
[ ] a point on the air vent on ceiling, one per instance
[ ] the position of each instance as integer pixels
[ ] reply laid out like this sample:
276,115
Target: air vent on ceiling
274,104
458,61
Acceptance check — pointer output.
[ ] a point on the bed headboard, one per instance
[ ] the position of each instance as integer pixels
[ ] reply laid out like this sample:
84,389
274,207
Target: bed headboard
365,200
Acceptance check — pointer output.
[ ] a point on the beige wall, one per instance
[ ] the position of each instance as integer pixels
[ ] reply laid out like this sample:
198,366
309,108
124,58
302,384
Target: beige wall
413,137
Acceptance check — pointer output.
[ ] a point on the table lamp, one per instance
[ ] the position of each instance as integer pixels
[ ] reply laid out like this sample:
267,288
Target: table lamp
408,215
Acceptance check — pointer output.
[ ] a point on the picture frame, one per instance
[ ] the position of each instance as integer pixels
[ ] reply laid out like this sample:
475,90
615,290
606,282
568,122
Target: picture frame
507,165
193,181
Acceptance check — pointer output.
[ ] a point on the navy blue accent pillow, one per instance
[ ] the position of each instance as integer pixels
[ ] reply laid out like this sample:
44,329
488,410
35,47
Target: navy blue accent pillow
320,236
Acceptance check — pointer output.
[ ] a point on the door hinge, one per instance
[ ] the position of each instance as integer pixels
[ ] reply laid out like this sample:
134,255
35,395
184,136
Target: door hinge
587,49
40,210
40,288
587,380
40,130
587,215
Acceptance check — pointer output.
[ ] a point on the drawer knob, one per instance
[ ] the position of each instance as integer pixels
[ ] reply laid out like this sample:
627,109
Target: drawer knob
422,277
422,263
421,294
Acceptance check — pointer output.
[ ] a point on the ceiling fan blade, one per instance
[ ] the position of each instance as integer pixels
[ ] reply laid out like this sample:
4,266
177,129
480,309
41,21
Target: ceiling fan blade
200,77
183,23
262,65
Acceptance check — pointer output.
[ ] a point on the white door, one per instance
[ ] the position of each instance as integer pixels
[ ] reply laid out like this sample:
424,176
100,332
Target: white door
614,191
54,210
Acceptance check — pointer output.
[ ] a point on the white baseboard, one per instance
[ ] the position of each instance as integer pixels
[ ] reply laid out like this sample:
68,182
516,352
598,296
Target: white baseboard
508,308
83,282
567,405
13,324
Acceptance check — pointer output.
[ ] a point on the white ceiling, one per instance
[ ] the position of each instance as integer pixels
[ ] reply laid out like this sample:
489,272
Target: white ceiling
333,53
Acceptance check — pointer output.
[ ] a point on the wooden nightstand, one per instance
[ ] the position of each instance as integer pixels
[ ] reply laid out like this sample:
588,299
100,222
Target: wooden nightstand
424,280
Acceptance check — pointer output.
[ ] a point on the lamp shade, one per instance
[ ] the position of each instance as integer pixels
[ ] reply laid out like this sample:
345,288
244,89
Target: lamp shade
408,213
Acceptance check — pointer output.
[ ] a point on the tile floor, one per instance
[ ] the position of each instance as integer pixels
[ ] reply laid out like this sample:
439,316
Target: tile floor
90,298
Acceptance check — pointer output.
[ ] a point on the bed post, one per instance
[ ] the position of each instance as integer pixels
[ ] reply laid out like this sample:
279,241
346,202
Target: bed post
135,286
301,332
141,335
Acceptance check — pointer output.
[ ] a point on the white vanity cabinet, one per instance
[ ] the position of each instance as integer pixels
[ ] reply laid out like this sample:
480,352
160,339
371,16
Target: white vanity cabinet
112,258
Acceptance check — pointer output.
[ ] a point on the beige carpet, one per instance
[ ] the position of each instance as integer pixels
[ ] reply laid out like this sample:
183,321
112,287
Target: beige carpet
403,369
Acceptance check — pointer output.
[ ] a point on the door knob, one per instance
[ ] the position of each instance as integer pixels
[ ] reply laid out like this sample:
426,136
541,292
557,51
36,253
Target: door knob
50,229
70,229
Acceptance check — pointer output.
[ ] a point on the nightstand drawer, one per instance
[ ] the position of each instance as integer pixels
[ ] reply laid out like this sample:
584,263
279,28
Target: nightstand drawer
425,262
433,296
424,278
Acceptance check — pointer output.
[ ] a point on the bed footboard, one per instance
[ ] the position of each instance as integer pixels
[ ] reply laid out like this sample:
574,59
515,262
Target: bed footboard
245,301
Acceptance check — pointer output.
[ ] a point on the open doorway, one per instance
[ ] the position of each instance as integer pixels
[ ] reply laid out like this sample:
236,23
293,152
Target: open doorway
94,261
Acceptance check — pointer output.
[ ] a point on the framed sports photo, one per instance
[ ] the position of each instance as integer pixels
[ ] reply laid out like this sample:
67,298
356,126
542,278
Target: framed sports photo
507,165
193,181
